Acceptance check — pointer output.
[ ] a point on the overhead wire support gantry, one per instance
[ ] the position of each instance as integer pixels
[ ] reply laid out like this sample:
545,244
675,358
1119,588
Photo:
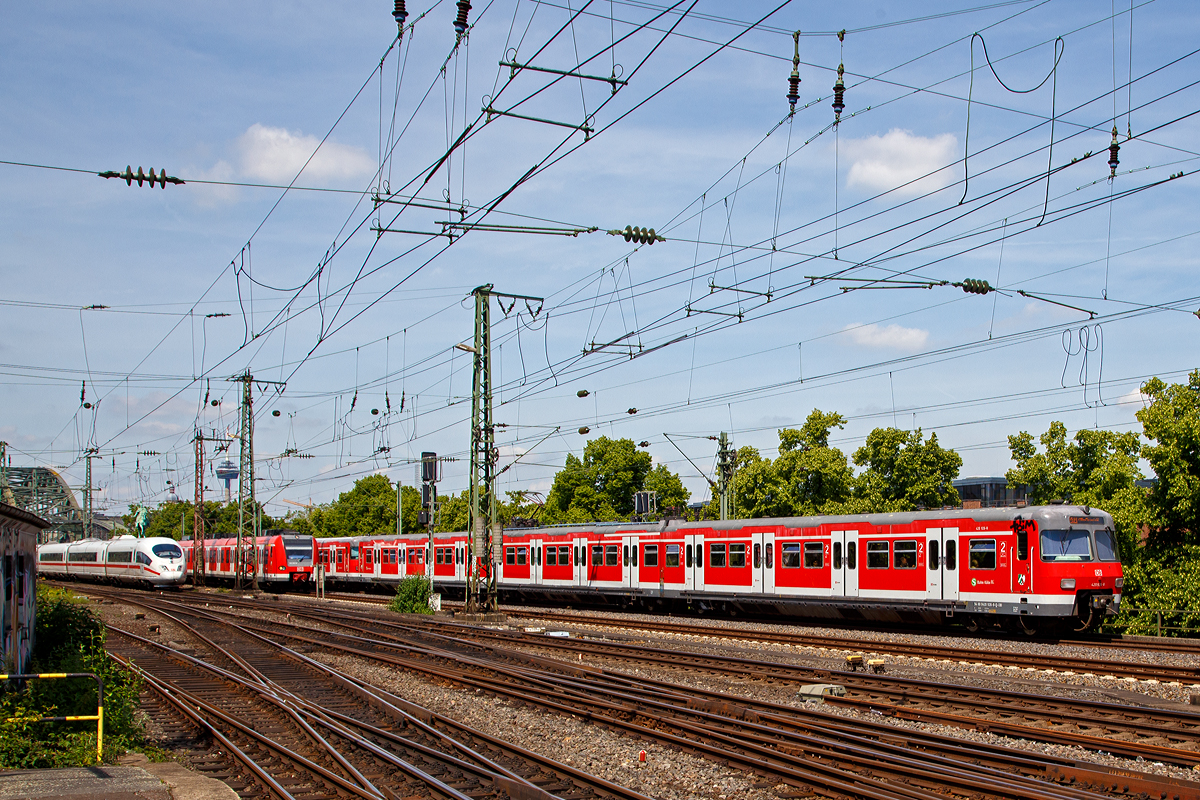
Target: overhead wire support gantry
487,537
516,67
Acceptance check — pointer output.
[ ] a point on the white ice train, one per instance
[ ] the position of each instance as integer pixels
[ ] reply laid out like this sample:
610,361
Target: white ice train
155,562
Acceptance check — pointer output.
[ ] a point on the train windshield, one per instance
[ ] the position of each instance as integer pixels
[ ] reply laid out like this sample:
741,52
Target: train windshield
167,551
1106,545
299,550
1070,545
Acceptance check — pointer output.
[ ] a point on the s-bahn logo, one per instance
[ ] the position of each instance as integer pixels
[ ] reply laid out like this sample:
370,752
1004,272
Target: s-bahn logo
973,581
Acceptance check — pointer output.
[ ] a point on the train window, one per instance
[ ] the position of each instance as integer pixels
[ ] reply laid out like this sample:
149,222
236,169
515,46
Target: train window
142,558
522,556
814,555
575,553
650,555
716,555
951,555
904,554
737,555
165,550
564,554
510,556
1068,545
770,555
672,555
597,555
612,555
1022,545
120,556
757,555
851,555
369,557
625,555
982,553
688,556
837,555
877,555
633,555
933,553
1106,546
791,555
539,555
458,553
341,556
551,556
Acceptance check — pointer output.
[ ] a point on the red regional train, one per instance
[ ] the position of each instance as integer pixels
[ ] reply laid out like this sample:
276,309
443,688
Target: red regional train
1025,568
284,558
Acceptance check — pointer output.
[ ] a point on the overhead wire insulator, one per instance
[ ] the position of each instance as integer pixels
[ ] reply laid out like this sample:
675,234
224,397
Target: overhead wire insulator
793,94
839,94
1114,159
976,286
141,177
639,235
585,430
460,22
400,13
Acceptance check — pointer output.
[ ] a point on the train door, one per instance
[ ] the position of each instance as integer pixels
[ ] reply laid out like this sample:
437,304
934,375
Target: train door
942,560
693,552
629,562
1022,578
579,557
843,563
758,568
536,554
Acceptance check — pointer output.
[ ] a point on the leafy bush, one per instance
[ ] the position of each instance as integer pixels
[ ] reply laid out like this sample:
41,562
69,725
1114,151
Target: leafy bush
70,638
412,596
1168,581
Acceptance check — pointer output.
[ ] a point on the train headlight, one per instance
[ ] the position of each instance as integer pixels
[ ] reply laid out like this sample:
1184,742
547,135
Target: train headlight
1066,583
1119,582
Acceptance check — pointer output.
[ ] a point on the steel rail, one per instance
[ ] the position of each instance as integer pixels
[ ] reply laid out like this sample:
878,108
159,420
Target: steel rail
514,785
491,686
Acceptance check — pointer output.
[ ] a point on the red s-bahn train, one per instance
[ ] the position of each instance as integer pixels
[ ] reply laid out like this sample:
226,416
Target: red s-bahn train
284,558
1023,567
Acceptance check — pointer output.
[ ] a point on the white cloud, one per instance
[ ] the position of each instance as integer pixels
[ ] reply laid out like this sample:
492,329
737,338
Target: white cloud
895,337
1134,396
890,161
276,155
209,194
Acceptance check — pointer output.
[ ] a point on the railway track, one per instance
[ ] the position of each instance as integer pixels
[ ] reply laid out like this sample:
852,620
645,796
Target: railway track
1136,732
613,619
750,734
302,731
1064,664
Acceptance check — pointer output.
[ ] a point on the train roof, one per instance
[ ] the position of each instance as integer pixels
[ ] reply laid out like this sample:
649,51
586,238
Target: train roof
1043,514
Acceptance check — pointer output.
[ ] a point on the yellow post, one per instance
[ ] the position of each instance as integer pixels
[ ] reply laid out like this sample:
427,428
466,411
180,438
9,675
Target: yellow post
98,716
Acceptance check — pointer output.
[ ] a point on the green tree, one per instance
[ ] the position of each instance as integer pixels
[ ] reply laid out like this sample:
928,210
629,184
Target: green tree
669,488
367,509
808,477
601,485
1095,468
904,471
1172,425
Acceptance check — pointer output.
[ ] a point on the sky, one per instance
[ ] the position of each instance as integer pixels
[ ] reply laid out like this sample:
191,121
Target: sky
805,262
